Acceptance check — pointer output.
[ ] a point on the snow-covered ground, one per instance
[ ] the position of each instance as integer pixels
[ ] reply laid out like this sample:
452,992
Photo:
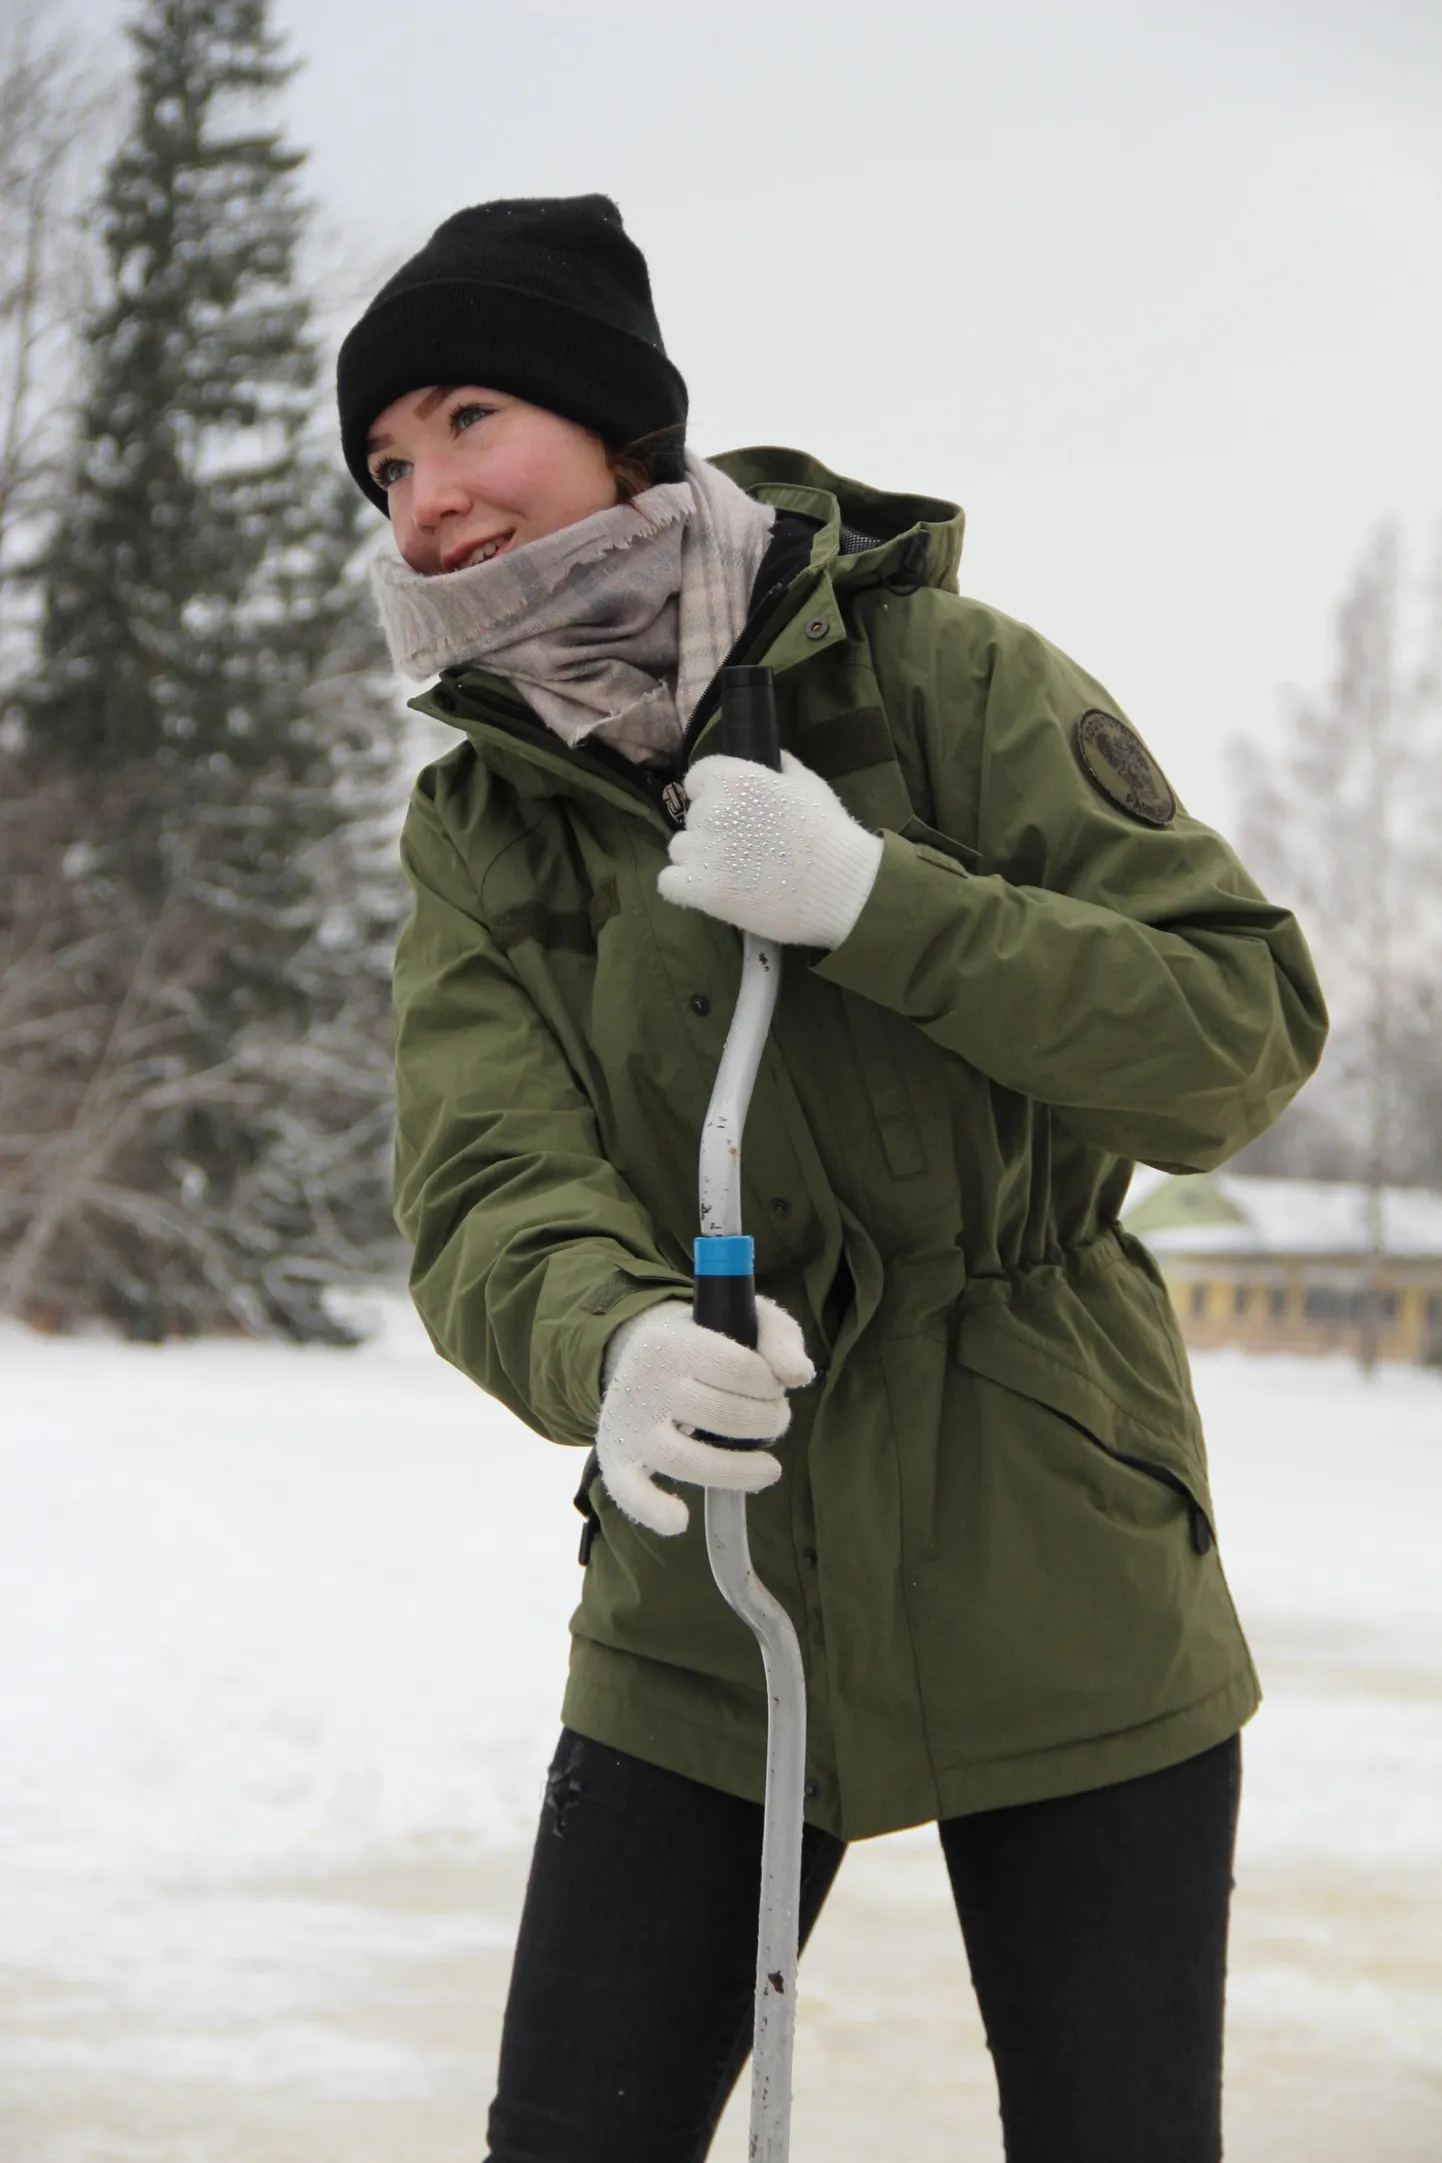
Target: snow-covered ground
281,1641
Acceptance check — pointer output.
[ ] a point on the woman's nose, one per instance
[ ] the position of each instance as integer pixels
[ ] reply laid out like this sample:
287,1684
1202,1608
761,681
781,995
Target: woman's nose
437,492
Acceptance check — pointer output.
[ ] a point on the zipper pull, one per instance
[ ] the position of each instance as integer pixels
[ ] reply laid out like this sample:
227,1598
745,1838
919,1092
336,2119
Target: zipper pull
673,802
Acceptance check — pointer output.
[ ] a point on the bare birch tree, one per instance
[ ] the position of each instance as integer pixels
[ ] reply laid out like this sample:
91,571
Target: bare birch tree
49,109
113,1078
1343,824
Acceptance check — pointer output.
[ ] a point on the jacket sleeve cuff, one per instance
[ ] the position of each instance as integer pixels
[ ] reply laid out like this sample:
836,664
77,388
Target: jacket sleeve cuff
569,1389
877,956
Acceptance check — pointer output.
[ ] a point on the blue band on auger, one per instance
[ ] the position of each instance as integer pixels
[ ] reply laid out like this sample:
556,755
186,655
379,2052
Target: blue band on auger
731,1255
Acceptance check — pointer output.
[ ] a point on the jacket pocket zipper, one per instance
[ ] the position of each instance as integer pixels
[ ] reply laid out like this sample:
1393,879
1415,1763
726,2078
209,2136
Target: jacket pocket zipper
590,1530
1197,1519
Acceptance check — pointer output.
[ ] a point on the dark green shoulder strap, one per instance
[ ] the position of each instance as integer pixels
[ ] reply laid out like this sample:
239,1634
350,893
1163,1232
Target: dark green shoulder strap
855,751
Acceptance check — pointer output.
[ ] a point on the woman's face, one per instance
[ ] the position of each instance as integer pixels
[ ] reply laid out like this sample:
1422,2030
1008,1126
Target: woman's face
469,473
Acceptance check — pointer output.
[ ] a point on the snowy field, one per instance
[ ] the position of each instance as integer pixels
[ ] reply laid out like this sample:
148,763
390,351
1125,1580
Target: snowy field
281,1641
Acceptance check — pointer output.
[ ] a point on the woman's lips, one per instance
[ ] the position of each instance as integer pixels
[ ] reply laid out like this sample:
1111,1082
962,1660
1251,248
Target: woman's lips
461,559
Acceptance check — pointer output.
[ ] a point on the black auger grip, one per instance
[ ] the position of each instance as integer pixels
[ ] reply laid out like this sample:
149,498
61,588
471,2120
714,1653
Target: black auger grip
724,1299
727,1305
749,728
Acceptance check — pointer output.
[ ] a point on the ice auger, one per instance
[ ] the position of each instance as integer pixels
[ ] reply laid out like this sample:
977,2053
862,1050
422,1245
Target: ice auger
725,1300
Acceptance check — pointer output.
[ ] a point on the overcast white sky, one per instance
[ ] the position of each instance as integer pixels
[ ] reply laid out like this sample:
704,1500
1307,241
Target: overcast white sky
1155,291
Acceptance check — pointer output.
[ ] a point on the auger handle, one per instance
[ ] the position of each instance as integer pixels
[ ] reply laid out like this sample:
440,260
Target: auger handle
749,729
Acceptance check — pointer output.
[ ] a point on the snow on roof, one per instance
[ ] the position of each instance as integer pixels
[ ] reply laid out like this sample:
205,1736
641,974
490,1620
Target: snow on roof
1284,1216
1145,1181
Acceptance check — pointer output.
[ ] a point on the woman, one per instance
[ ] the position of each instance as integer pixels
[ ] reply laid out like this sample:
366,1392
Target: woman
1019,967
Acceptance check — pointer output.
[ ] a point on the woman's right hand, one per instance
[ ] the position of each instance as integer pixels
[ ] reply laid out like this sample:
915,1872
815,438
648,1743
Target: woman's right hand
665,1375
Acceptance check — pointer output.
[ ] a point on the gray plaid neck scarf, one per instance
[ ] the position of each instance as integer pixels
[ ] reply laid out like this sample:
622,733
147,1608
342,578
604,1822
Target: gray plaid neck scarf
612,627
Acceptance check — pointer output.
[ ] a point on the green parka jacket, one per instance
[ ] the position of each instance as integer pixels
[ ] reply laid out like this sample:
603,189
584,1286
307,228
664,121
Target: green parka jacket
993,1533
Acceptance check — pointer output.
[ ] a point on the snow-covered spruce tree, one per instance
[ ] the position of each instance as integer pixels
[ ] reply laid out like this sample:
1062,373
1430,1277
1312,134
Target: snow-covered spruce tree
216,707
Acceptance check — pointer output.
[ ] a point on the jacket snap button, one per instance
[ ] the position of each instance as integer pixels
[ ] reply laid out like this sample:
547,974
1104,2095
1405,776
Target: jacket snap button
811,1789
699,1003
818,627
780,1207
808,1556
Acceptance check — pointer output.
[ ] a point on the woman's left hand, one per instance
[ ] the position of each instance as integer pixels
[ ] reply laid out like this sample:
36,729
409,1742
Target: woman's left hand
777,854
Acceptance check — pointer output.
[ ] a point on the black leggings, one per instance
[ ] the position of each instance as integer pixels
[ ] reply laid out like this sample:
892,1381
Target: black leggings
1095,1926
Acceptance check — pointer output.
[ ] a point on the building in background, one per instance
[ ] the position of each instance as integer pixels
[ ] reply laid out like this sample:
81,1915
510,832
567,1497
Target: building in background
1279,1265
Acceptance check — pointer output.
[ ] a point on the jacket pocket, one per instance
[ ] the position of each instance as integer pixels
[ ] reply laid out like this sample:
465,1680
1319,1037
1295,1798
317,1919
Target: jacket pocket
1198,1522
1089,1351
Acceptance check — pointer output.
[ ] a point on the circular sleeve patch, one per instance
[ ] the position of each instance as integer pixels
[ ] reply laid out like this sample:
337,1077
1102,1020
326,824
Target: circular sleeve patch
1123,769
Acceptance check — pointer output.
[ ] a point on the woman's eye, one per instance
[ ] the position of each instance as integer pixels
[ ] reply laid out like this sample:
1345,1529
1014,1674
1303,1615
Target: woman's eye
388,472
466,416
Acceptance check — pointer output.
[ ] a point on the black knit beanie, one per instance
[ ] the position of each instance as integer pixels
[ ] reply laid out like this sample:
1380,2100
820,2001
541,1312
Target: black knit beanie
544,297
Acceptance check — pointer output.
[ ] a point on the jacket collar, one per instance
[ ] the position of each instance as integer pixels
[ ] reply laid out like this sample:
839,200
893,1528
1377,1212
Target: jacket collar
916,539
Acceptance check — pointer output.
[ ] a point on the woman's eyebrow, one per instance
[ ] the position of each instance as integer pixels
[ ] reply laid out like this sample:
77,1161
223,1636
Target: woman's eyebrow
424,410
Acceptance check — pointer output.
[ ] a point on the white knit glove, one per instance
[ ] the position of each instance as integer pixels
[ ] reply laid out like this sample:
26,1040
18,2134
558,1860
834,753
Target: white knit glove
665,1374
777,854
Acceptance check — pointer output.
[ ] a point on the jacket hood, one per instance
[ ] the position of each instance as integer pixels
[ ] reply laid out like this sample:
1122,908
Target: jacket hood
852,513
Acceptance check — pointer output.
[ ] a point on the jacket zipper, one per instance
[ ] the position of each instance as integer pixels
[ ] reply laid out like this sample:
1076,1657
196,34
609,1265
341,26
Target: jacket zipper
461,704
756,636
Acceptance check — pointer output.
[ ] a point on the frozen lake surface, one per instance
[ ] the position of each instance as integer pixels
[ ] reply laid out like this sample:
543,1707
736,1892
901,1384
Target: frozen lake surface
282,1635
